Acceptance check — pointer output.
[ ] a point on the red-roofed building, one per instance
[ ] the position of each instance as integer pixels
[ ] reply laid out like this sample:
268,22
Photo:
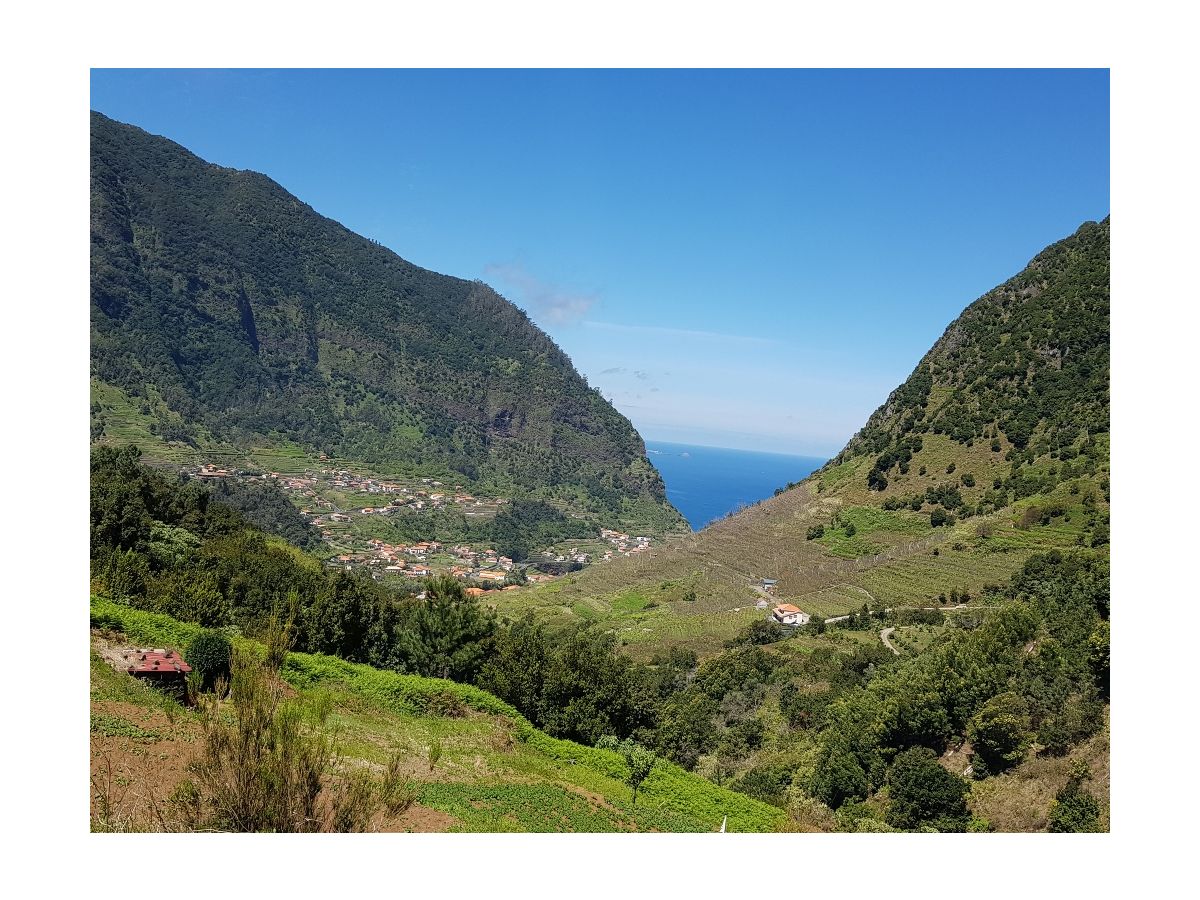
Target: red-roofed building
162,668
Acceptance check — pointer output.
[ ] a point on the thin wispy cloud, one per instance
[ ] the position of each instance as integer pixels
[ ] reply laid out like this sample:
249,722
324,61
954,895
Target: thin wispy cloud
678,332
545,301
615,370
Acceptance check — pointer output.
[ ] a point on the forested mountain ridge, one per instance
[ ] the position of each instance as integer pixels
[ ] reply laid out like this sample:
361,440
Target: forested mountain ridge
236,315
1030,357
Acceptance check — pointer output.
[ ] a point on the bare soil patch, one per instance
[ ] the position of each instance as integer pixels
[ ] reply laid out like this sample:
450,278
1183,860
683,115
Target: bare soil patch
131,778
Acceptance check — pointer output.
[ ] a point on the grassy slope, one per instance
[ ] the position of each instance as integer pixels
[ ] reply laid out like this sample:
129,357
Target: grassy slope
1020,800
497,772
721,564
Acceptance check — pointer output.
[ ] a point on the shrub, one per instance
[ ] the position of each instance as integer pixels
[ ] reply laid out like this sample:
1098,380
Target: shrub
435,754
397,792
639,761
940,517
265,770
924,793
839,777
814,532
999,734
1074,809
761,631
209,655
968,480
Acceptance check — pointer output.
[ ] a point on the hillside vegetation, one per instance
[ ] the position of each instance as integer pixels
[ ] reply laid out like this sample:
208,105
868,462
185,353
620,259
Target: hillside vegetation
994,449
228,315
819,725
958,547
470,762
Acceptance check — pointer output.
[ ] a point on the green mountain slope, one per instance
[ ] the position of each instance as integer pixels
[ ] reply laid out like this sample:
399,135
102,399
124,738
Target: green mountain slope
994,449
1026,362
496,771
226,313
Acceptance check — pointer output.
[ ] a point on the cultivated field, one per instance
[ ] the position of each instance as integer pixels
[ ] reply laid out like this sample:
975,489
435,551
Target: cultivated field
494,772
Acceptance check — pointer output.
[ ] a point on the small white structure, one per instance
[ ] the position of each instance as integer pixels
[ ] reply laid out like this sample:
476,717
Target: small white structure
786,614
762,604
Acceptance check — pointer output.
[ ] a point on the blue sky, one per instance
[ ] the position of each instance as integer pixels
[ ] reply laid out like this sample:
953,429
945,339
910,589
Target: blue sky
747,259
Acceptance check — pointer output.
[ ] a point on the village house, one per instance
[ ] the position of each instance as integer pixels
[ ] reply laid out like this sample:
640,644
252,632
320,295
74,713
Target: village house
787,614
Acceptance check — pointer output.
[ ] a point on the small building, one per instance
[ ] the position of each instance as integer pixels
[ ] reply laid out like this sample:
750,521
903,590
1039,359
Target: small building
768,584
787,614
165,669
762,604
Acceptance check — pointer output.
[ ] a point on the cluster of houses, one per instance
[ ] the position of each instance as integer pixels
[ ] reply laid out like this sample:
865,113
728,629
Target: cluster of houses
431,494
623,543
413,560
573,555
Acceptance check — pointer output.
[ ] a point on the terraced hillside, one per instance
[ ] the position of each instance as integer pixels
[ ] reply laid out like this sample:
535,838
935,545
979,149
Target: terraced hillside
492,770
995,448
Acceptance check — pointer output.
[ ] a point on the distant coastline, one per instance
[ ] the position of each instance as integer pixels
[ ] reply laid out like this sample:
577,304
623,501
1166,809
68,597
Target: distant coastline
707,483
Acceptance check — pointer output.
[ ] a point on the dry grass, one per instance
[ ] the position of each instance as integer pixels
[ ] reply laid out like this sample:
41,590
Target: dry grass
1020,800
720,565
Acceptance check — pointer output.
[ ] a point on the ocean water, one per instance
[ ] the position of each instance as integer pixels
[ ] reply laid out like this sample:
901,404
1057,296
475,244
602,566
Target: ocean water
705,483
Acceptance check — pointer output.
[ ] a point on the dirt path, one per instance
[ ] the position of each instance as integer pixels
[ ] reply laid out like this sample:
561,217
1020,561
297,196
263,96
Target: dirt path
861,590
884,635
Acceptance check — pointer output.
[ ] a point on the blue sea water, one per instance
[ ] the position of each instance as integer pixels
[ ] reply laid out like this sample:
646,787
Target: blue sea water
705,483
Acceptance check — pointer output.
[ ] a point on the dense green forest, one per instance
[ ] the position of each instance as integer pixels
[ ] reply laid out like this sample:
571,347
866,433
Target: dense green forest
266,507
1026,365
233,314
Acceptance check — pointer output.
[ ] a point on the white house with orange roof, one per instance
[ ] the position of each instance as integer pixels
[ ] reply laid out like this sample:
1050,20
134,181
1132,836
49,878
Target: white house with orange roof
787,614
